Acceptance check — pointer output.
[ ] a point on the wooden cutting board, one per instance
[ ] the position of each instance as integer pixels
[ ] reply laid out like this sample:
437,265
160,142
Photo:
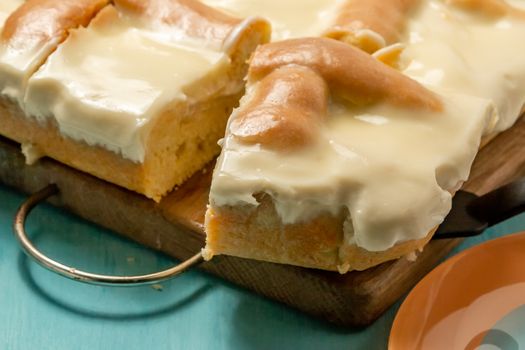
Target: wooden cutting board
175,226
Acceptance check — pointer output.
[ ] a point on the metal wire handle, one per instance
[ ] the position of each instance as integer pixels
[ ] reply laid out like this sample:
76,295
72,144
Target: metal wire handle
82,276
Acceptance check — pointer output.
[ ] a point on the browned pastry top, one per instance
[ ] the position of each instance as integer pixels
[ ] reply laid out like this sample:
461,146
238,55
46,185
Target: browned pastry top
39,21
193,17
349,72
277,107
286,109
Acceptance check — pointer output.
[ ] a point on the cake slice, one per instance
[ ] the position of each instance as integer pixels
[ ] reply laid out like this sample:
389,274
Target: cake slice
140,96
336,161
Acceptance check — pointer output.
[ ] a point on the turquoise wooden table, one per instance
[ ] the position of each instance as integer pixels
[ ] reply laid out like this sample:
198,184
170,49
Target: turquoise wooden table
39,310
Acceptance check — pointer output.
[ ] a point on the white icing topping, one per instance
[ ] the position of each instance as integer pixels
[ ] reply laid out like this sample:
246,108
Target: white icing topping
392,169
105,83
16,67
289,18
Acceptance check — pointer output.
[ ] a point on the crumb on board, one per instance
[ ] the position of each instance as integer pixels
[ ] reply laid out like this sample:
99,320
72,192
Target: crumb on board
412,256
157,287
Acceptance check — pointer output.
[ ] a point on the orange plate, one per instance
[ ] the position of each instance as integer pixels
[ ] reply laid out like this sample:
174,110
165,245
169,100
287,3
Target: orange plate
475,300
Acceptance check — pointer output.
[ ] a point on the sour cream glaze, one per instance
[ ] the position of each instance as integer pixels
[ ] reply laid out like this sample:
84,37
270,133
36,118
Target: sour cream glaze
461,52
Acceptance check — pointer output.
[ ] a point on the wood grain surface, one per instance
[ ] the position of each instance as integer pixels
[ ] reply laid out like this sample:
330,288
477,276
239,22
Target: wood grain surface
175,226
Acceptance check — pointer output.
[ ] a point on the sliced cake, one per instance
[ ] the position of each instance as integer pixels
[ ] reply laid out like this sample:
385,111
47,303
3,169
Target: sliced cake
139,97
336,161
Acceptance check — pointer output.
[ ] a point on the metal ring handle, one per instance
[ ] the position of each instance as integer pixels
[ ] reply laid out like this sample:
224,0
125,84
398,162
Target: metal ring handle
81,276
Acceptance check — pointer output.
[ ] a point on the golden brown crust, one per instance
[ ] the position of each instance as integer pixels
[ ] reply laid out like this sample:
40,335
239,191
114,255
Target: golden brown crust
258,233
191,16
286,110
39,21
488,8
385,18
349,72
